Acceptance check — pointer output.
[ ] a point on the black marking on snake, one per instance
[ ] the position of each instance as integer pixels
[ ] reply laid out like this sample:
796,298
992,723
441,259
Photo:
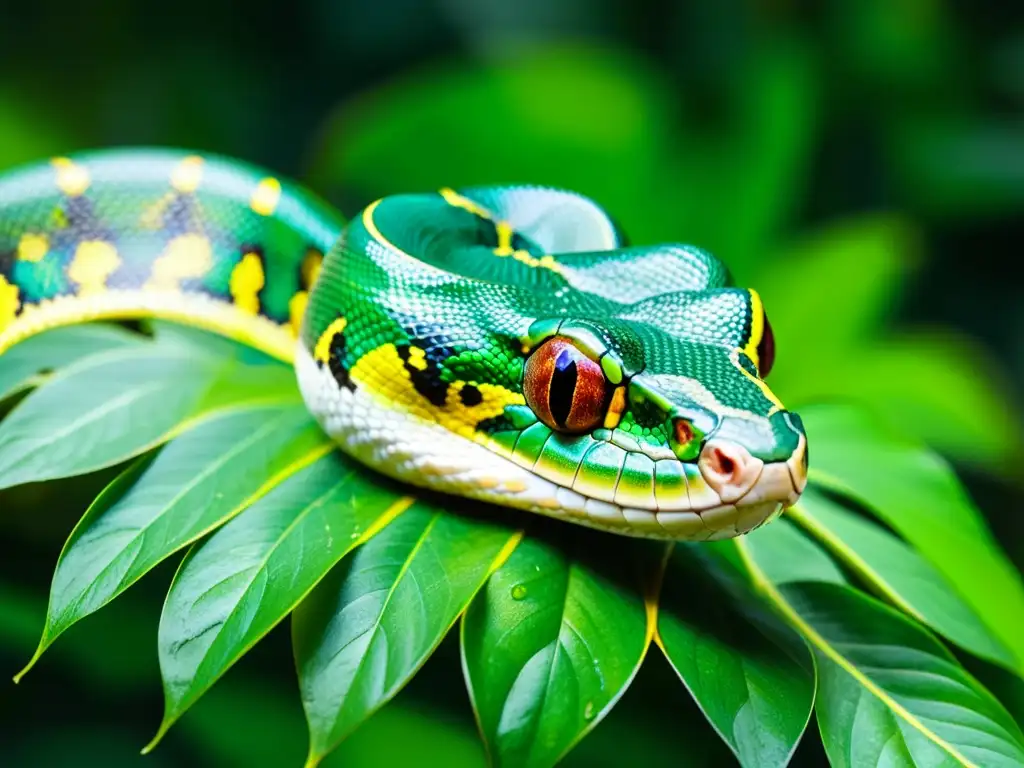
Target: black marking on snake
747,364
311,253
336,362
470,395
487,231
426,380
499,423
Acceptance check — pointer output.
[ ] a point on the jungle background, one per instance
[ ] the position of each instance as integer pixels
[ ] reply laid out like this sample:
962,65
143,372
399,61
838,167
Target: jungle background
861,163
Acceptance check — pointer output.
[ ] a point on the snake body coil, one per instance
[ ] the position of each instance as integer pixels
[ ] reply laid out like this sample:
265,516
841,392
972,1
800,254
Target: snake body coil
501,344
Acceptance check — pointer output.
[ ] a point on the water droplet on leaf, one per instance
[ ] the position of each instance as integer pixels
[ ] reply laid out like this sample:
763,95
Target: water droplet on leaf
518,592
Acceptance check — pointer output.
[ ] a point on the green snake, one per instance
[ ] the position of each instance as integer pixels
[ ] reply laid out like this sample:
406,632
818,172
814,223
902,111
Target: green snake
503,344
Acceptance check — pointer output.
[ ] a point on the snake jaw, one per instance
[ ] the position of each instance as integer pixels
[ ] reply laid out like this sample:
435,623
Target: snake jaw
426,454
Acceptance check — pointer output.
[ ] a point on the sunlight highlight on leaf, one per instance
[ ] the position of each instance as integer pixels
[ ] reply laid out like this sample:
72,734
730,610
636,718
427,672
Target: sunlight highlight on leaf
196,483
552,642
113,406
898,574
873,651
368,627
56,349
918,495
750,674
235,586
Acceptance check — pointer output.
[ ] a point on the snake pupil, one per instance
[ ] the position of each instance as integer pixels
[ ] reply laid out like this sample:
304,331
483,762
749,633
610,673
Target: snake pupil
563,387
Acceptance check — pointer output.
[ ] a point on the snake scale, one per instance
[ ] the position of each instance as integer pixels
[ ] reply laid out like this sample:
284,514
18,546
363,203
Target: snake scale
504,344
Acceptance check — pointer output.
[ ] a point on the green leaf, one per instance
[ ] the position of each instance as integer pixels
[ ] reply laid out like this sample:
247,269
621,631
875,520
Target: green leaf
27,133
785,554
890,691
958,167
369,626
56,349
586,118
755,694
899,574
235,586
941,389
552,642
201,341
758,160
113,406
198,481
918,495
597,120
846,276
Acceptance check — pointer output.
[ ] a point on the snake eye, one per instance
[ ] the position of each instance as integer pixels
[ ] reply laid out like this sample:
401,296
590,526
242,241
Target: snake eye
566,389
766,349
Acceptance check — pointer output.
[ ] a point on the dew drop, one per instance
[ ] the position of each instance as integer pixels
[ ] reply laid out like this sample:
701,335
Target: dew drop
518,592
588,711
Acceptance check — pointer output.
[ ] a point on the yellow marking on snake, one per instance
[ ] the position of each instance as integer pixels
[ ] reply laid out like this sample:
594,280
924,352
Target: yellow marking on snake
756,328
266,196
72,179
187,175
297,310
8,302
93,264
382,373
32,247
247,280
734,357
417,358
186,256
505,233
616,408
544,262
58,218
322,351
310,269
153,216
453,198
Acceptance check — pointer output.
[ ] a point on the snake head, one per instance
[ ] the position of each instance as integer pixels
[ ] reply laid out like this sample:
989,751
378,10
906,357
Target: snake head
671,432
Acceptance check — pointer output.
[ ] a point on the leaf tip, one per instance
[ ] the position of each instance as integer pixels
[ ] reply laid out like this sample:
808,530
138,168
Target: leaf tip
31,663
161,731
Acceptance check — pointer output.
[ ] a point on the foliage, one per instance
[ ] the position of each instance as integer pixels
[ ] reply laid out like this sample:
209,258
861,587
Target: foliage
858,165
835,614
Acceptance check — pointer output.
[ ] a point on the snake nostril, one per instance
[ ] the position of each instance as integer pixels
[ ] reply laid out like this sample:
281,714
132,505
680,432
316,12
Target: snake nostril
720,463
728,469
725,464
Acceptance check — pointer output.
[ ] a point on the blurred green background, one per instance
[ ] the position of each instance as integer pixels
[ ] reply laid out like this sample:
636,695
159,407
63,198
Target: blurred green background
860,163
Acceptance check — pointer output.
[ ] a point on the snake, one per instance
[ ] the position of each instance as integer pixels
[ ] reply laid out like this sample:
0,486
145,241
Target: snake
503,344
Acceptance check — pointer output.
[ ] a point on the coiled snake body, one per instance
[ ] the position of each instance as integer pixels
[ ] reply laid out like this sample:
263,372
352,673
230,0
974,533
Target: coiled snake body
502,344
